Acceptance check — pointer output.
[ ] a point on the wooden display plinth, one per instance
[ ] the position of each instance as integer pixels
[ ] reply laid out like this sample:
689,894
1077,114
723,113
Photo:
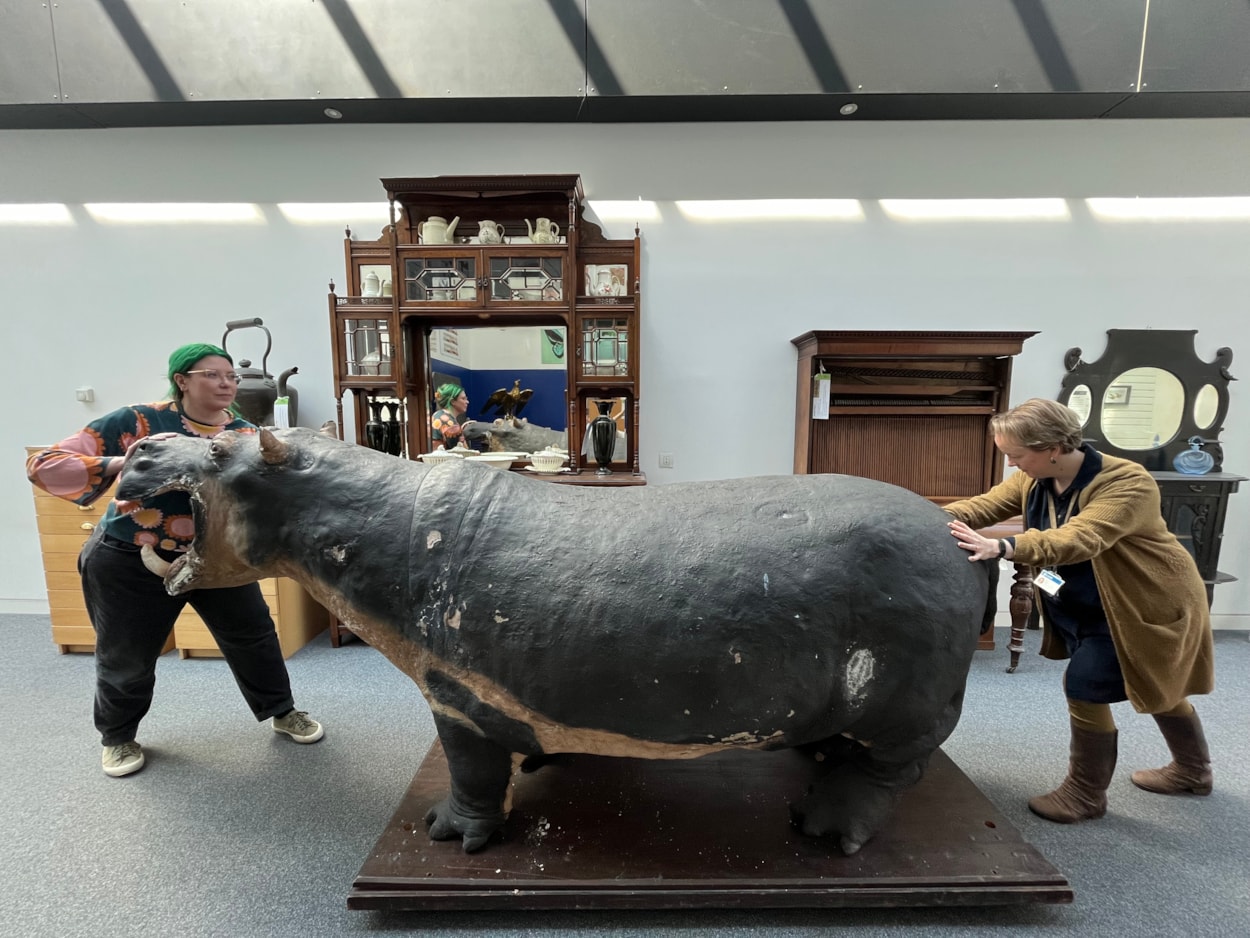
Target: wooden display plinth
601,833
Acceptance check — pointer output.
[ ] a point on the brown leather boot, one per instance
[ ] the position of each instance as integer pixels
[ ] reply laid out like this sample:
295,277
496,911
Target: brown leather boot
1082,796
1189,772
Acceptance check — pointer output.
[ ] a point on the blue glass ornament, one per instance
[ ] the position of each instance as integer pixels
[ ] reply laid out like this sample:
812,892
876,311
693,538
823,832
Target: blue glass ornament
1194,461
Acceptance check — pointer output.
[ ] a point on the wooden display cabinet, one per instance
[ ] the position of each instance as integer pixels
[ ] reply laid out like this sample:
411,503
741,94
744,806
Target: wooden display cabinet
495,270
63,529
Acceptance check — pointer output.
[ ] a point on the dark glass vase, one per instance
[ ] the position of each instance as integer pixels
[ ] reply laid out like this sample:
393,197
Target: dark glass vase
603,438
394,445
375,429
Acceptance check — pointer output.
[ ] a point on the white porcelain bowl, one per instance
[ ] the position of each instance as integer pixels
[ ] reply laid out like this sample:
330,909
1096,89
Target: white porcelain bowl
439,455
494,460
547,462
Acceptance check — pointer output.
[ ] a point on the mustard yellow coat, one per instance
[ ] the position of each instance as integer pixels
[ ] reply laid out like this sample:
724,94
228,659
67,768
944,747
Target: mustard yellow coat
1151,590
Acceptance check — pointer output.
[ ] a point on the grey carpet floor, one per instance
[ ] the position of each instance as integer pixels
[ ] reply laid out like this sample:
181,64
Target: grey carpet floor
233,831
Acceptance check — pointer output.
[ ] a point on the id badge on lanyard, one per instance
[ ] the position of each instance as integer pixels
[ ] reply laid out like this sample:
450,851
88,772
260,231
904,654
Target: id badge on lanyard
1048,581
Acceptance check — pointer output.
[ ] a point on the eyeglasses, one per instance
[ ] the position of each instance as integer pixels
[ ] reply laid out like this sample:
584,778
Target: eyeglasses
212,375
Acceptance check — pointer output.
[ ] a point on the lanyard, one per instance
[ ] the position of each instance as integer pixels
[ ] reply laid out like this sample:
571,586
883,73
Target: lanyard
1050,507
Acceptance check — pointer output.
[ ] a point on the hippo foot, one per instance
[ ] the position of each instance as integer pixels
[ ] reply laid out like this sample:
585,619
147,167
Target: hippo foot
447,823
846,804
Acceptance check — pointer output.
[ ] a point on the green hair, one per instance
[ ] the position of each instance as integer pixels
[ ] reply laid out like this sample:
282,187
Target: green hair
447,393
183,359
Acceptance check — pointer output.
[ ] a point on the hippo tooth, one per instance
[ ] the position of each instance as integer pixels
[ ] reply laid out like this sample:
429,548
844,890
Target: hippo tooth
153,561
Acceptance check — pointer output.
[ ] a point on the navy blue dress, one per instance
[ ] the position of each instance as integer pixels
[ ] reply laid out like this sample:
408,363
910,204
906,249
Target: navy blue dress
1076,613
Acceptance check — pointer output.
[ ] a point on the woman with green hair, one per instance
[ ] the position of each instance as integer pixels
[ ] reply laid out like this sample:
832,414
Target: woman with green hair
129,609
445,428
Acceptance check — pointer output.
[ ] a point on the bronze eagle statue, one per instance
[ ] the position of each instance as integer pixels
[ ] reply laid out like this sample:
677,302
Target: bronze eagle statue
507,403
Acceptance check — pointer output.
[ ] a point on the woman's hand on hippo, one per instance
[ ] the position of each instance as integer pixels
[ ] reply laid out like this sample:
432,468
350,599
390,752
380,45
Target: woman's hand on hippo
978,546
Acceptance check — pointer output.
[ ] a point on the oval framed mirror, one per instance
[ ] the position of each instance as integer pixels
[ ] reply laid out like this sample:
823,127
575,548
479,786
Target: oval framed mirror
1079,402
1142,408
1206,405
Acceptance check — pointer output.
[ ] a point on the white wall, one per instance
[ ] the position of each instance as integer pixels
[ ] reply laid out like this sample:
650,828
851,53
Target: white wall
92,304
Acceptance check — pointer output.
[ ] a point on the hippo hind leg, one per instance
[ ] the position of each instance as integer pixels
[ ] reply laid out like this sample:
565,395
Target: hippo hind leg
480,773
853,801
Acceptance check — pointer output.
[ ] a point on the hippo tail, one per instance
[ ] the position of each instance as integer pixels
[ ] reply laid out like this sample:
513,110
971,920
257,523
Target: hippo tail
991,596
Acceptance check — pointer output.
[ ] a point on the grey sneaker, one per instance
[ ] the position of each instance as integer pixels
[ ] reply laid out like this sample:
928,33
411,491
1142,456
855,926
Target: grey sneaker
299,726
122,759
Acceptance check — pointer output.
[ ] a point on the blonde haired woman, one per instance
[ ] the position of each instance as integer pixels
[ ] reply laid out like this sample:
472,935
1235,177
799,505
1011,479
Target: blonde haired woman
1120,599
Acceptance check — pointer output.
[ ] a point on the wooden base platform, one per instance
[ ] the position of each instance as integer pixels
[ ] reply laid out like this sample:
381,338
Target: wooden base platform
600,833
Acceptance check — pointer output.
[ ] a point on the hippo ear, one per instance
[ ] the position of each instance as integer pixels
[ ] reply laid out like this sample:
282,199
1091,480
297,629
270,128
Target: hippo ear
272,450
330,429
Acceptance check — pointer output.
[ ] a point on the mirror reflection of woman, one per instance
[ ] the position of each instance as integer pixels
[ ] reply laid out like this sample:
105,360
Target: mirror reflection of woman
1120,598
445,425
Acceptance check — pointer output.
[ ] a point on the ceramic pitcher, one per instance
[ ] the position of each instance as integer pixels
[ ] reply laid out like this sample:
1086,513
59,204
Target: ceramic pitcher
490,232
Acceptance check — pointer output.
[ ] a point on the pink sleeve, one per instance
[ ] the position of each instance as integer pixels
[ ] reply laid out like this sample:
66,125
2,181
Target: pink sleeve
72,469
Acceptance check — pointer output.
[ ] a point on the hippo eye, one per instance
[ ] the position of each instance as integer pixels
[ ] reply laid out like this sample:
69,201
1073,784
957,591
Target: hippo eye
217,451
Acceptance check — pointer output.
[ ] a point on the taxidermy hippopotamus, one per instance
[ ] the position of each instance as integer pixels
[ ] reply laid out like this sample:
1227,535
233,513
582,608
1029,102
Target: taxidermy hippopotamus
510,435
660,622
514,436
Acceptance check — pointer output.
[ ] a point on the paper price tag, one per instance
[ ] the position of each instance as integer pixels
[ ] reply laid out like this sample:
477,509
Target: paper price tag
281,418
820,396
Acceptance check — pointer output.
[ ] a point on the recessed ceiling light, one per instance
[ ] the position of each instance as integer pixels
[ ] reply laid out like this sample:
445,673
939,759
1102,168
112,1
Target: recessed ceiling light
333,113
847,110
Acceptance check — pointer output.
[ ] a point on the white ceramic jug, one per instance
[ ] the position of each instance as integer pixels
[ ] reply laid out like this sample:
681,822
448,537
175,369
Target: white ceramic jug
490,232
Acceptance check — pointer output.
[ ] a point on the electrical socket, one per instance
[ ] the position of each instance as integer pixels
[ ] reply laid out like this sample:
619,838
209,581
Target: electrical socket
666,460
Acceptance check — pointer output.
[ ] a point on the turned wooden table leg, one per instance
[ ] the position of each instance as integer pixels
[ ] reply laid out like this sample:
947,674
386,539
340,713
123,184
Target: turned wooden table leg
1020,606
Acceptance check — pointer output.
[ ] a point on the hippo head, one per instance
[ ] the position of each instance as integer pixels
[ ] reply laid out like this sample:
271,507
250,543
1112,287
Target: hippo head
513,434
475,430
230,478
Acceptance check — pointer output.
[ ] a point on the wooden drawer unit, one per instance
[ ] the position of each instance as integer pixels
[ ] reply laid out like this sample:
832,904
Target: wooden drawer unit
296,615
63,529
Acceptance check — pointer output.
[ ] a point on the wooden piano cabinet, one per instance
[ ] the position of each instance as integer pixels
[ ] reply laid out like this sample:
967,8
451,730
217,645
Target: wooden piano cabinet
908,408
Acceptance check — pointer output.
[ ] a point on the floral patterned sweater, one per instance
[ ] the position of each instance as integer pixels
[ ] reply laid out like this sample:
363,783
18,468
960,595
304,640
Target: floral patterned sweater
74,469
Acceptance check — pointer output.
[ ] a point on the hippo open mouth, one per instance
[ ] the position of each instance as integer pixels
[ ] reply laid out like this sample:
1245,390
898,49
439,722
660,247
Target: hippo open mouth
180,573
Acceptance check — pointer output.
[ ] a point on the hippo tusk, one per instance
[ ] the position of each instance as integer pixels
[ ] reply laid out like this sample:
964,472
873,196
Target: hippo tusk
153,561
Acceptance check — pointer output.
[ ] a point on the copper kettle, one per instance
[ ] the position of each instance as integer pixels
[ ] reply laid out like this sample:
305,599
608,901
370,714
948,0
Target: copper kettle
258,391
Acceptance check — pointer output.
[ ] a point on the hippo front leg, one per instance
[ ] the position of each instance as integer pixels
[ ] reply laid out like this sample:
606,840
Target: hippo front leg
480,773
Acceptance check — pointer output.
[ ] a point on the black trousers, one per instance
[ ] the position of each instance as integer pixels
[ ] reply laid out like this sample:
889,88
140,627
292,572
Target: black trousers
132,616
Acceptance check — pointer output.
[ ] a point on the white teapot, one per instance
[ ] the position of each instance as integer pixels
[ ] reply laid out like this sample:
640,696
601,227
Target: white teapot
490,232
437,230
543,231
